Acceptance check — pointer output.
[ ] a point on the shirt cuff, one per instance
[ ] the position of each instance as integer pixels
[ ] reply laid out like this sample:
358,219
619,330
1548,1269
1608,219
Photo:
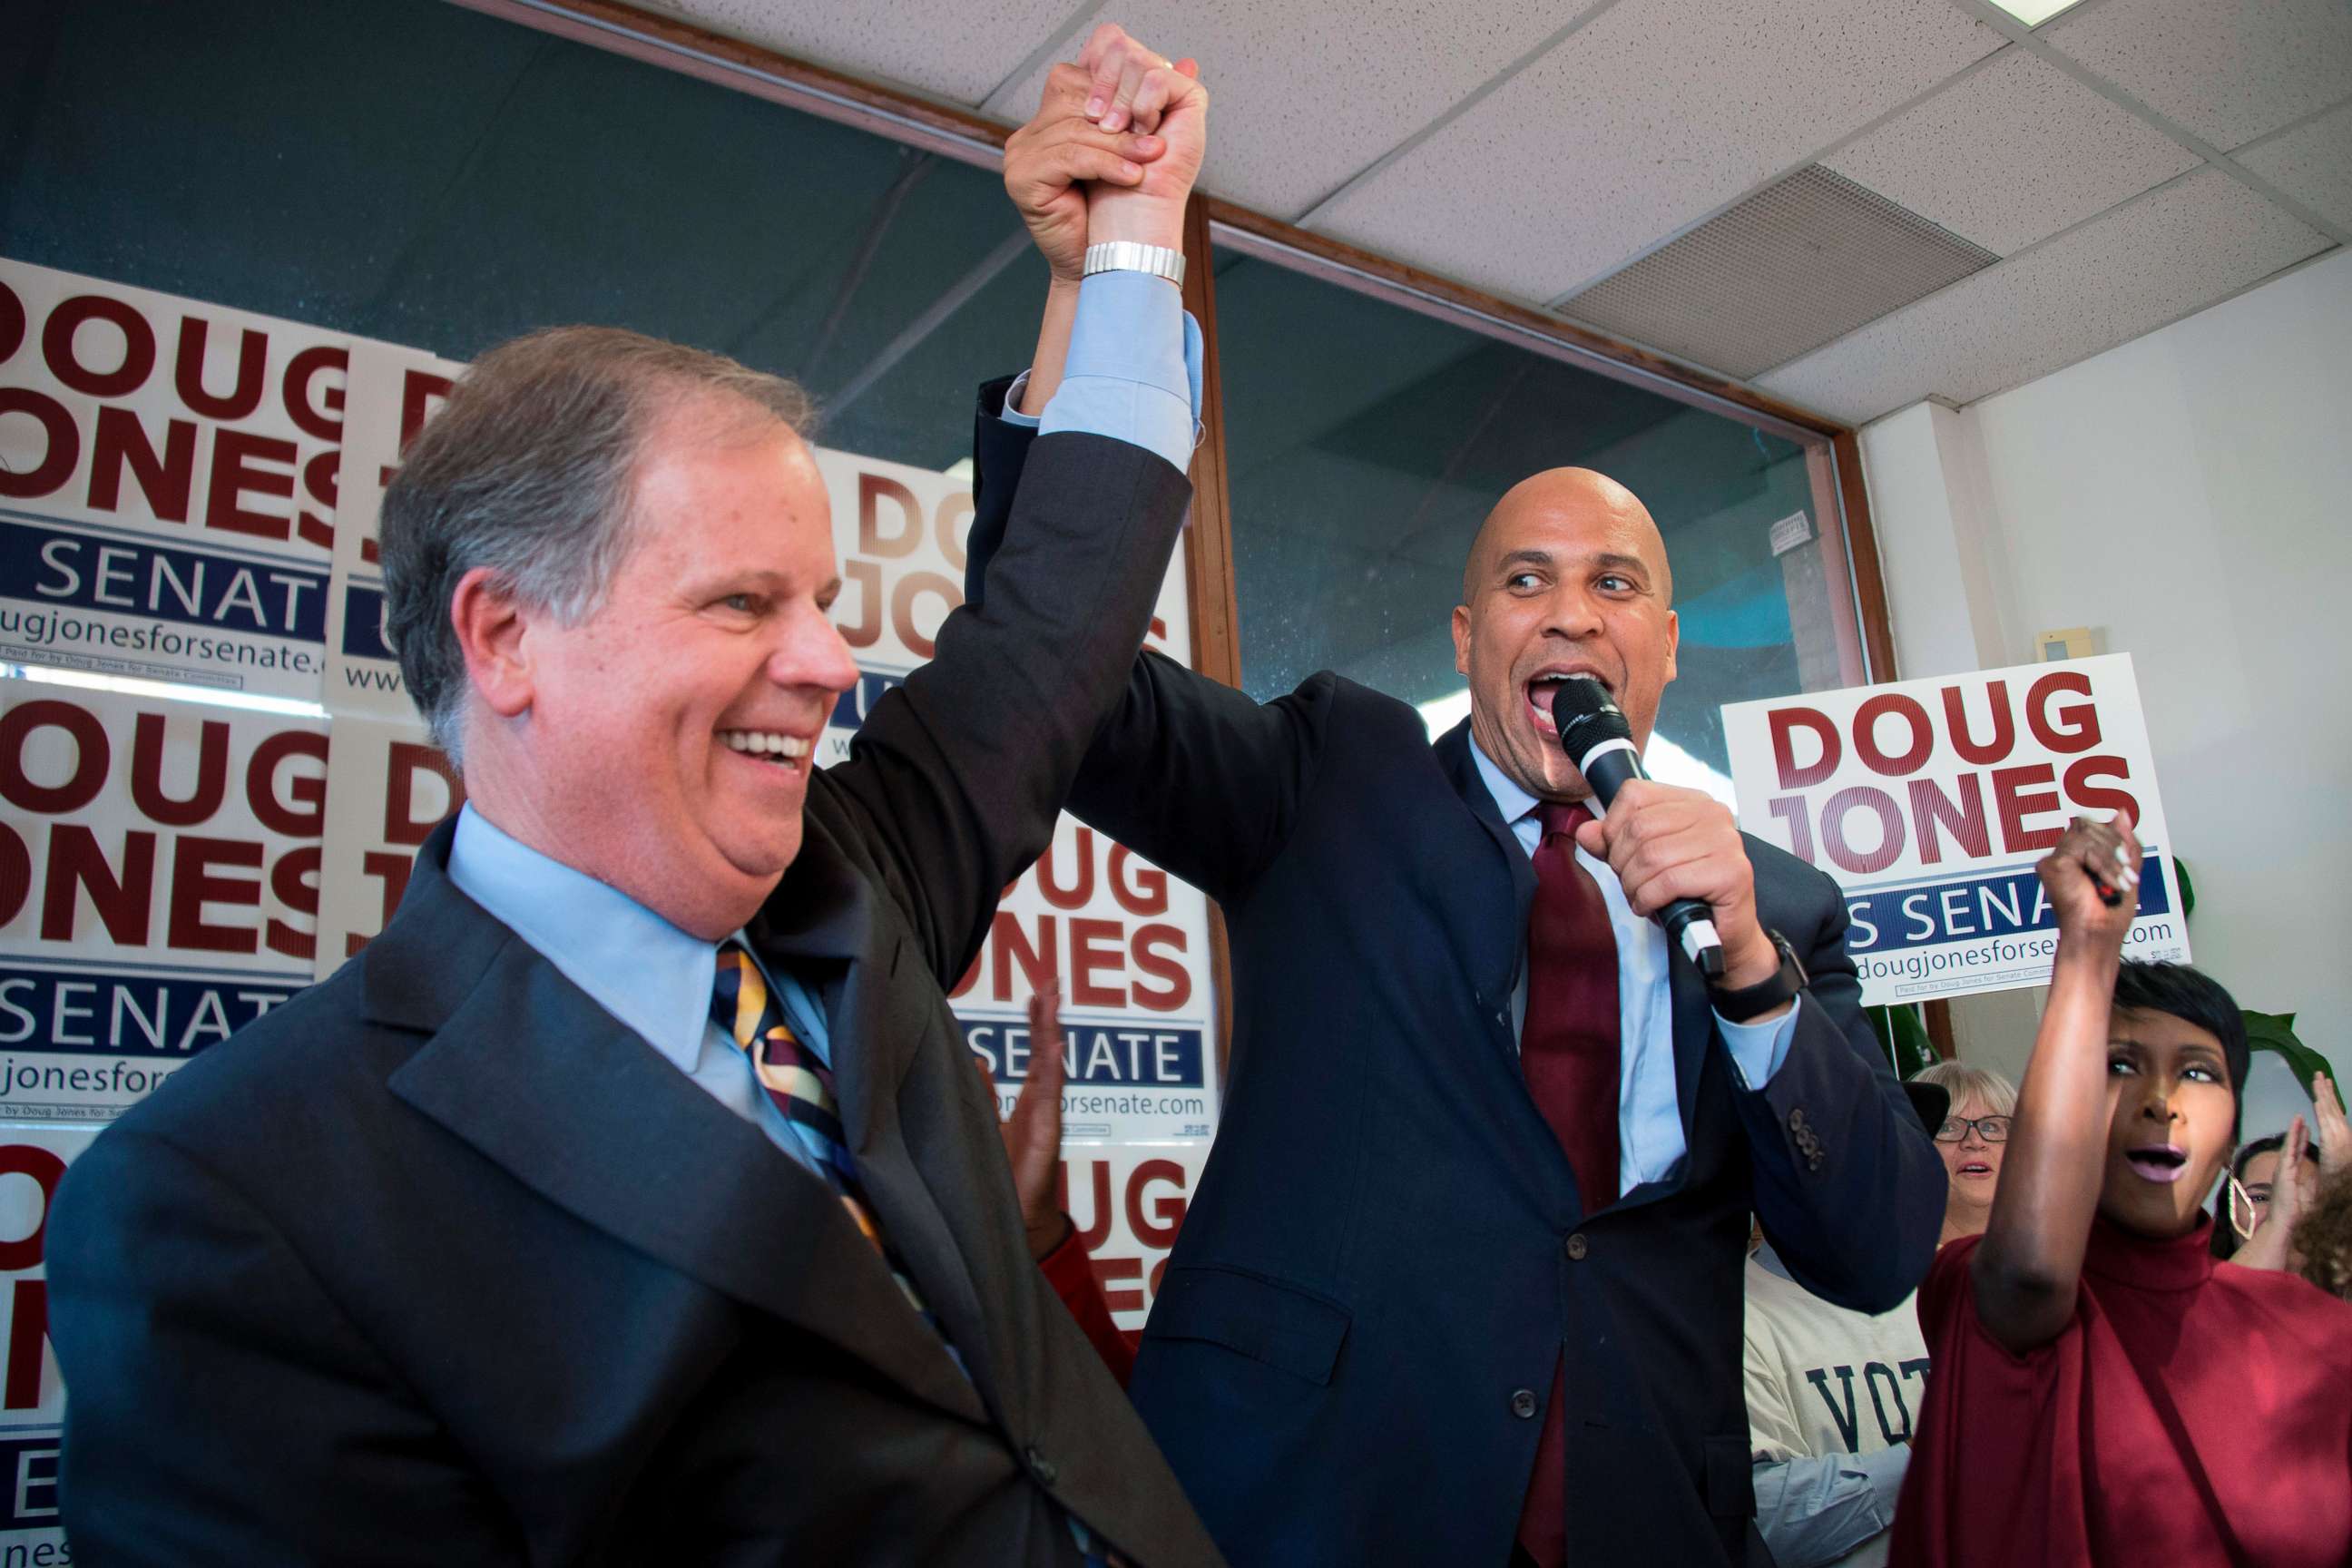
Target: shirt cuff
1758,1049
1814,1509
1885,1470
1011,413
1133,372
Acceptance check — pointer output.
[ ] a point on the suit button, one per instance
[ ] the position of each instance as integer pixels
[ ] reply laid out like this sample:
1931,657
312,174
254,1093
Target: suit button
1522,1404
1043,1469
1796,1121
1576,1248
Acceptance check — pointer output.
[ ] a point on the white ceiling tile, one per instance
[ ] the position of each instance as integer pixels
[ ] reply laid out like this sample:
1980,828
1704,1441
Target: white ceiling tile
2229,70
1299,105
957,52
2013,153
1652,116
2313,163
2149,262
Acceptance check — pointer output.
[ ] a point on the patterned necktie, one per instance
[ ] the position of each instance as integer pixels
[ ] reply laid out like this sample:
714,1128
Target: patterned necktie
802,1087
1569,1050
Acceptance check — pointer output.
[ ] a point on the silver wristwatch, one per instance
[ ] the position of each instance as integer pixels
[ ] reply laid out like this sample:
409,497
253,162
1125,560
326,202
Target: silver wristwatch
1133,255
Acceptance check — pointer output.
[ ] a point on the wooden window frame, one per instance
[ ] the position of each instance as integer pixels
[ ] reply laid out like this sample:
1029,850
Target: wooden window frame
1841,504
1833,453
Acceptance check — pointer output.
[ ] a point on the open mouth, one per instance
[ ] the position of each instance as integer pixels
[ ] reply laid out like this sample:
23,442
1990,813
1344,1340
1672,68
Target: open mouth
2157,1161
1975,1168
1545,683
774,748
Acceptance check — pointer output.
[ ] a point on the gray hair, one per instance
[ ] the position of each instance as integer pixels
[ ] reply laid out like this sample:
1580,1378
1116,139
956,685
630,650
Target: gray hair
527,469
1963,1082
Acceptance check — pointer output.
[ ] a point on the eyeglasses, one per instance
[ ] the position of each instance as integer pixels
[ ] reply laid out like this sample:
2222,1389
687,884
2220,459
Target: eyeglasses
1991,1129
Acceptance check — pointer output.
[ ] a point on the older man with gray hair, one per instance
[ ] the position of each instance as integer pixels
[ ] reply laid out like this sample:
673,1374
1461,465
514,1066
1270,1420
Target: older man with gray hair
631,1198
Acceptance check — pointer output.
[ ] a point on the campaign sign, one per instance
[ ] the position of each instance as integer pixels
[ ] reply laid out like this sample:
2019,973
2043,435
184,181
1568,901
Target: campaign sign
1930,800
394,390
1129,945
387,788
899,532
33,1160
1128,1203
159,887
167,485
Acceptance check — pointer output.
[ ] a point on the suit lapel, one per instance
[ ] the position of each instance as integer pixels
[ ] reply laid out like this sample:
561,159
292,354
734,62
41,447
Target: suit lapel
524,1068
821,925
1534,1149
1453,749
1695,1031
1693,1017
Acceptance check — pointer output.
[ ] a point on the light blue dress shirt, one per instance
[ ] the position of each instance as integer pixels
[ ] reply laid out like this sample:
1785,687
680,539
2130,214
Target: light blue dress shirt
1133,370
655,978
1649,1116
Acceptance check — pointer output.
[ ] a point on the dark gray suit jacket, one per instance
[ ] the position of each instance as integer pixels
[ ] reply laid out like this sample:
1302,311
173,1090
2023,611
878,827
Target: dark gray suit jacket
440,1264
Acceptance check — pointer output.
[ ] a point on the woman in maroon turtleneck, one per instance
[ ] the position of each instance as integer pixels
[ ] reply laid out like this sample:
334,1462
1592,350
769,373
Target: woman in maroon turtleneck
2106,1391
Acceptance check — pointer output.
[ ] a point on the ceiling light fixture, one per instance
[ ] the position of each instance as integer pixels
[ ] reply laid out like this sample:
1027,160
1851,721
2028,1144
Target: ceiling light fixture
2033,13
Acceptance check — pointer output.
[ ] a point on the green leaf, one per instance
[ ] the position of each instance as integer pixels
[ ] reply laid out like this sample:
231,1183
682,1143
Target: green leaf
2274,1032
1903,1036
2188,888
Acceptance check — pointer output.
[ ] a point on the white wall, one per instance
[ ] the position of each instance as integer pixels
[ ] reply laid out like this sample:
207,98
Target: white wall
2189,495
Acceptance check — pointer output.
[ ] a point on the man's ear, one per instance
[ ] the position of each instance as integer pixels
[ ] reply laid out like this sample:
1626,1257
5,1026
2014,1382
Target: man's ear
493,628
1461,639
1674,641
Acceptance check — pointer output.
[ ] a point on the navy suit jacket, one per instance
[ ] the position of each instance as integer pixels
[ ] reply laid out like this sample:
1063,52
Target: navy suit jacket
1387,1253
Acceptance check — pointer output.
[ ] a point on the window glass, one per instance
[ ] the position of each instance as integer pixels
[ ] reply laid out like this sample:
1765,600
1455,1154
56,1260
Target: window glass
428,175
1365,442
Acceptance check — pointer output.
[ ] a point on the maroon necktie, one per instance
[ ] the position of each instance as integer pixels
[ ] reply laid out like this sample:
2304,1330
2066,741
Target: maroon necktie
1569,1050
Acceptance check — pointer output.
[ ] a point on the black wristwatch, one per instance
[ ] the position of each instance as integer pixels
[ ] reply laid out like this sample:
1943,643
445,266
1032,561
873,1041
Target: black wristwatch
1738,1005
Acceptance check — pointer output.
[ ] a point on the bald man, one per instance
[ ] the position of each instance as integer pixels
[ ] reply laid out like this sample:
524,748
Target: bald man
1462,1283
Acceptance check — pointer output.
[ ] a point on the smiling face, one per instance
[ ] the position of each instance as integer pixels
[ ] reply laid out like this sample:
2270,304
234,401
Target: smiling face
1567,576
1974,1165
668,737
2170,1114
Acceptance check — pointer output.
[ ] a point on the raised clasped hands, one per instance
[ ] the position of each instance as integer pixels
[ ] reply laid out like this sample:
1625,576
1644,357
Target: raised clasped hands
1111,153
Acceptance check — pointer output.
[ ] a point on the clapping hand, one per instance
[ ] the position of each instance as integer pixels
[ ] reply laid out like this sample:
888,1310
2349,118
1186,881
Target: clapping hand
2335,1133
1032,1131
2293,1191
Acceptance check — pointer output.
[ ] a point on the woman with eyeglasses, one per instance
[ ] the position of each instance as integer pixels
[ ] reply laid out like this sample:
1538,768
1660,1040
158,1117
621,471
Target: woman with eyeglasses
1971,1139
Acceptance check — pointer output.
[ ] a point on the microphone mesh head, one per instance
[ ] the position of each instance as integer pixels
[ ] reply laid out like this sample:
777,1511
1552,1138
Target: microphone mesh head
1585,716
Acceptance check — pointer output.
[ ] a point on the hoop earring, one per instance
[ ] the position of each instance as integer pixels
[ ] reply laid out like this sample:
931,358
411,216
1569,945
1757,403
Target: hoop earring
2237,1194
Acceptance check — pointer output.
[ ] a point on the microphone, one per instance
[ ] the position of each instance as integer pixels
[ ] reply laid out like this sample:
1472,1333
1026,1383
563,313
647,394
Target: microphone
1600,744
